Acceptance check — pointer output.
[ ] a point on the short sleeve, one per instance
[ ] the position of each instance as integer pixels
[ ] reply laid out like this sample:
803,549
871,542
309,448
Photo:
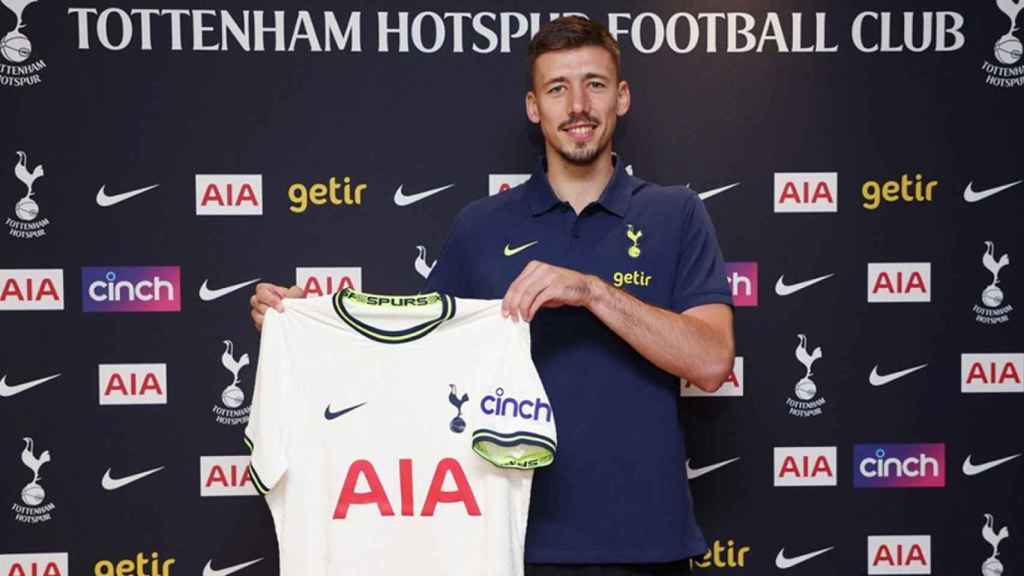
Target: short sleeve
516,424
447,276
700,272
266,433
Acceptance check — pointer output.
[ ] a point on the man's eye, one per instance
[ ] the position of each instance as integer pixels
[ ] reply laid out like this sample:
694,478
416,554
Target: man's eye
556,89
596,84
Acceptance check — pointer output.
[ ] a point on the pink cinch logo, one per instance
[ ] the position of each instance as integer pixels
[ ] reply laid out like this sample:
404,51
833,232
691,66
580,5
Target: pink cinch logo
742,278
131,289
899,465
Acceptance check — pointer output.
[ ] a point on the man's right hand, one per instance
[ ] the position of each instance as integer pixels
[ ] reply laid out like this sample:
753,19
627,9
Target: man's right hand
270,296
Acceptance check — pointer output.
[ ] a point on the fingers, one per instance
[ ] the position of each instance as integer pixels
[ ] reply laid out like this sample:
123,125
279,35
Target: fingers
542,297
510,304
294,292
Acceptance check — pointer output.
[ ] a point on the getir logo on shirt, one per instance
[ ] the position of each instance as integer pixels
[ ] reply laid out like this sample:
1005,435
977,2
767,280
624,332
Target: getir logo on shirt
229,194
805,466
31,289
326,281
899,282
900,554
742,277
991,373
498,183
733,385
806,192
131,289
48,564
133,384
899,465
225,476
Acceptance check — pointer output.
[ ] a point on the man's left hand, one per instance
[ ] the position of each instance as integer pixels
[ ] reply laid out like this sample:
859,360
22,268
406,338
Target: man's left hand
541,284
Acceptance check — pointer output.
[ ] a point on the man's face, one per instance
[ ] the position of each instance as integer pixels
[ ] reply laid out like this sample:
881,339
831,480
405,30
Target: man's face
577,98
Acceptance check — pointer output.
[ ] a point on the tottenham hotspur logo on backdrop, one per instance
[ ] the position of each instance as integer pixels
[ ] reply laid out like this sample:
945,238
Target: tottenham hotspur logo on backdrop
994,309
1009,71
35,509
26,209
16,48
805,390
232,397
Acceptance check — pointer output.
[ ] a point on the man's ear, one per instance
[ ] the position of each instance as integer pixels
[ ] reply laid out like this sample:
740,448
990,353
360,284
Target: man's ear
532,111
624,99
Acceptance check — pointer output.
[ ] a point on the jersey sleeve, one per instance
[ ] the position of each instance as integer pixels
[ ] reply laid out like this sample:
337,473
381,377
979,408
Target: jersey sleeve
516,424
700,271
266,433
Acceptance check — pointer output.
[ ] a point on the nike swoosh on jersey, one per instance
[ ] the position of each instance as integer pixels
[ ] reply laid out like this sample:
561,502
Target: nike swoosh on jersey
105,200
209,570
207,295
407,199
877,379
783,289
971,195
115,483
7,391
509,251
692,473
332,415
783,563
971,469
716,191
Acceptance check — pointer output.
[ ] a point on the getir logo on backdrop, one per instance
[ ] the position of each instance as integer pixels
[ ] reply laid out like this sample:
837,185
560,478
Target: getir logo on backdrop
229,194
31,289
733,385
326,281
139,565
498,183
131,289
805,466
806,192
344,192
225,476
906,189
900,554
991,373
49,564
742,277
899,465
899,282
133,384
719,555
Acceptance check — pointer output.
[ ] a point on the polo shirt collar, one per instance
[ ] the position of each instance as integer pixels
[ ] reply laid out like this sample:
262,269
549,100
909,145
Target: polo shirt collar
614,199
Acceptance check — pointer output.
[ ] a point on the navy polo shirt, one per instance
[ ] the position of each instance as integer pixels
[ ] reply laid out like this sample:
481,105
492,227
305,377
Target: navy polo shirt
617,491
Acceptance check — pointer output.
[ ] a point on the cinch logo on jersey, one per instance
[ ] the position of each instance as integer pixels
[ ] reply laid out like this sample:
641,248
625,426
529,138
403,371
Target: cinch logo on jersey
498,183
140,565
899,282
346,192
1007,50
733,385
232,396
49,564
502,405
131,289
225,476
229,194
900,554
26,210
31,289
992,311
806,192
991,373
742,277
805,466
906,189
36,509
16,48
720,555
326,281
899,465
133,384
364,470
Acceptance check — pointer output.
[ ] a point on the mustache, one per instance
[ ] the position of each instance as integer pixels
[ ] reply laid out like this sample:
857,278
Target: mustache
577,119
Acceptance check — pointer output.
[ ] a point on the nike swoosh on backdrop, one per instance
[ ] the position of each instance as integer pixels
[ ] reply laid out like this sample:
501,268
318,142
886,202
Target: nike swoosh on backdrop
971,469
783,289
716,191
877,379
407,199
971,195
206,295
692,473
509,251
332,415
783,563
115,483
105,200
208,570
8,391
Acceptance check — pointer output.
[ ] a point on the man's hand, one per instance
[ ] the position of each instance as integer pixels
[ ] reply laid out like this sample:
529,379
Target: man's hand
270,296
541,284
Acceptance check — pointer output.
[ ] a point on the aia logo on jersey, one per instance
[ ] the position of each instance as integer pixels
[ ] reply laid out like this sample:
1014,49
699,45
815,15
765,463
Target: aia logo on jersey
900,554
899,282
327,281
806,192
991,373
742,277
133,384
31,289
899,465
225,476
362,473
131,289
805,466
498,183
229,194
52,564
733,385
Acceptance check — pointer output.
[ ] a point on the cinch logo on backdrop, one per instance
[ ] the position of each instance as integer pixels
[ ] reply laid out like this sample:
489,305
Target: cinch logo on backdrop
900,554
742,277
49,564
899,465
225,476
229,194
806,192
326,281
805,466
131,289
905,189
899,282
32,289
498,183
338,193
133,384
733,385
991,373
720,555
140,565
527,409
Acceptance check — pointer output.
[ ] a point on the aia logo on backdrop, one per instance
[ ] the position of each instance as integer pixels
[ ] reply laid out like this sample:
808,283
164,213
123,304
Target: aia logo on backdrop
133,384
498,183
50,564
805,466
131,289
899,282
327,281
742,277
229,194
31,289
991,373
225,476
899,465
733,385
900,554
806,192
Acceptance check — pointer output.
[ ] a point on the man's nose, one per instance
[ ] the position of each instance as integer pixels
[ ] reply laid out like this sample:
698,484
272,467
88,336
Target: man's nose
580,101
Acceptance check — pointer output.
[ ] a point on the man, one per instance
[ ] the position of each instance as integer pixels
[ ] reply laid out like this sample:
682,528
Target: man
624,286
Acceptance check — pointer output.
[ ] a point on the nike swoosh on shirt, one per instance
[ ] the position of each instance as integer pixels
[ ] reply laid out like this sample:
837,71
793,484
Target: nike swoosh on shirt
971,469
206,295
783,563
716,191
509,251
692,473
115,483
7,391
971,195
407,199
877,379
332,415
208,570
105,200
783,289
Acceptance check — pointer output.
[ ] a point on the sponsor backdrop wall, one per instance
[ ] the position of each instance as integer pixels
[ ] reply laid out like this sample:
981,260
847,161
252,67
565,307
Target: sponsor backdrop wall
862,164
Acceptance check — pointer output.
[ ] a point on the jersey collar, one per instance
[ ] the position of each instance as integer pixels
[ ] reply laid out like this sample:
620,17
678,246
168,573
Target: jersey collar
614,198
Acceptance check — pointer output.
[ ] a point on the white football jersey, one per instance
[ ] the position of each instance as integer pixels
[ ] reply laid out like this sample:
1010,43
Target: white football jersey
397,435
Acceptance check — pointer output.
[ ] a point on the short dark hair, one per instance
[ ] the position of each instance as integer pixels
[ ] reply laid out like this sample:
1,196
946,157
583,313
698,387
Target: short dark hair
570,32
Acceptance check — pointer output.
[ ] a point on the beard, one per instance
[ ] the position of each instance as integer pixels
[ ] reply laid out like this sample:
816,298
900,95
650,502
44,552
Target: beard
581,153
